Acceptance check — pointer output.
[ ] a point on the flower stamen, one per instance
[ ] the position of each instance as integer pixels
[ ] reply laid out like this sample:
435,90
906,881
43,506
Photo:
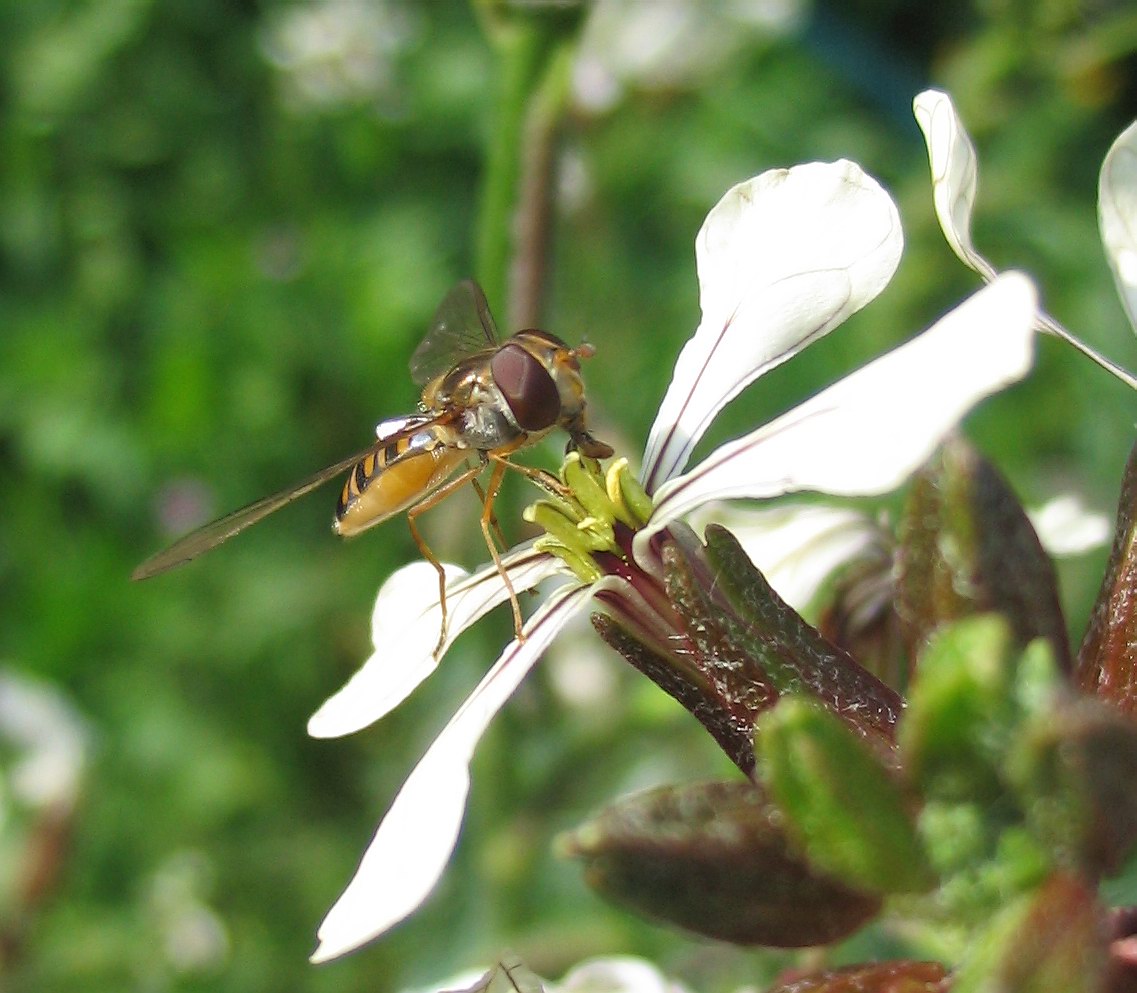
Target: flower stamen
587,518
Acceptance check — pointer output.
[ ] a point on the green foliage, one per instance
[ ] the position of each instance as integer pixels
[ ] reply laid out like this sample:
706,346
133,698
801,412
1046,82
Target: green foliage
217,253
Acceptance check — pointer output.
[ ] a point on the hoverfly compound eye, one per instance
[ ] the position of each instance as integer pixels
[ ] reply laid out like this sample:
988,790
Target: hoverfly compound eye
528,388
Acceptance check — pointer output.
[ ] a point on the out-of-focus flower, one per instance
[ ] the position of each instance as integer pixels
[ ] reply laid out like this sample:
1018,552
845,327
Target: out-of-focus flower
1066,526
193,936
618,974
668,44
50,742
622,974
335,53
43,764
782,260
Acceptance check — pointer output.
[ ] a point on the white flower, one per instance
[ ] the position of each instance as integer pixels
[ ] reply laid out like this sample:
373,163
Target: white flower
782,260
955,173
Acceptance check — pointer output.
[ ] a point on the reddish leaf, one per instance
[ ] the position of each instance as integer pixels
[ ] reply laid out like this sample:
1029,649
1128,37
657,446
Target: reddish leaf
882,977
966,547
1107,661
712,858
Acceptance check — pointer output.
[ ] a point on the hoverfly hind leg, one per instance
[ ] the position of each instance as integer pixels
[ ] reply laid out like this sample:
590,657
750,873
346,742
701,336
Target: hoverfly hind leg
426,553
421,507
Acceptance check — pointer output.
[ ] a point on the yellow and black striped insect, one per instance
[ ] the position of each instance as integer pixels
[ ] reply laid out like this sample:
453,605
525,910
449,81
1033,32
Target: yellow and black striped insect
482,401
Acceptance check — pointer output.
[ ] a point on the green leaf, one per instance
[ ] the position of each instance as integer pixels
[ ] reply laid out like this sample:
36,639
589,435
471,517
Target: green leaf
841,805
960,712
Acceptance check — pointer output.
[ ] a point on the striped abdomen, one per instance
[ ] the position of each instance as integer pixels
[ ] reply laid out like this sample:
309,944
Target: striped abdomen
394,478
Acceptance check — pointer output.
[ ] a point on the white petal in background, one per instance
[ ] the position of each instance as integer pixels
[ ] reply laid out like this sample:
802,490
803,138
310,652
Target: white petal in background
866,433
954,174
618,974
1066,526
47,745
1117,216
405,625
954,179
509,975
414,841
795,546
782,260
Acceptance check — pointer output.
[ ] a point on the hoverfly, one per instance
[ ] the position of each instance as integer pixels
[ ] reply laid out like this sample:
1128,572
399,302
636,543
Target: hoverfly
482,401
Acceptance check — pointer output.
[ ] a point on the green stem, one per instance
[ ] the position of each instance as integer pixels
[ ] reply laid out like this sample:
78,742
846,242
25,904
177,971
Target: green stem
535,48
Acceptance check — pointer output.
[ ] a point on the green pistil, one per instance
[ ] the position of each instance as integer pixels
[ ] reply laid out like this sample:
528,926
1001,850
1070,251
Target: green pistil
583,520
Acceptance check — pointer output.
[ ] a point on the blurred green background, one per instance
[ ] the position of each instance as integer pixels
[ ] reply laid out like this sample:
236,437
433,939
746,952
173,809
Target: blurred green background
224,227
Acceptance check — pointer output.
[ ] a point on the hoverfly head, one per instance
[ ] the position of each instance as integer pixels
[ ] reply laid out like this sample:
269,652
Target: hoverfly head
527,385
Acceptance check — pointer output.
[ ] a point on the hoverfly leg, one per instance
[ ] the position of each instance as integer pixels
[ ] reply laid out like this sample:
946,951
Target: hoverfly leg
426,553
493,517
548,482
500,465
421,507
539,477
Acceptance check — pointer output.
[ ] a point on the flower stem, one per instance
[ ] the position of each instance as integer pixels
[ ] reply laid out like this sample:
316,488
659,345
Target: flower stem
534,46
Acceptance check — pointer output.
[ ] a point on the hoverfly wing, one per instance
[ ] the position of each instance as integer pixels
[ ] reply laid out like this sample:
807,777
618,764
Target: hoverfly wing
462,325
213,534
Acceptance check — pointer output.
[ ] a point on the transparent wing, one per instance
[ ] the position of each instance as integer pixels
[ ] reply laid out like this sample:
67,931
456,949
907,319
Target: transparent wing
462,325
213,534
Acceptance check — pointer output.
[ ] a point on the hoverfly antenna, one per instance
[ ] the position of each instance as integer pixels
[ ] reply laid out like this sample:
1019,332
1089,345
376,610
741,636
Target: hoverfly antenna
585,350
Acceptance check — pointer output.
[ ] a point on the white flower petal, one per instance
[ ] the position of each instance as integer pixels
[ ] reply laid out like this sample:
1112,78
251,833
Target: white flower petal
866,433
954,174
1117,216
405,626
796,546
414,841
782,259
